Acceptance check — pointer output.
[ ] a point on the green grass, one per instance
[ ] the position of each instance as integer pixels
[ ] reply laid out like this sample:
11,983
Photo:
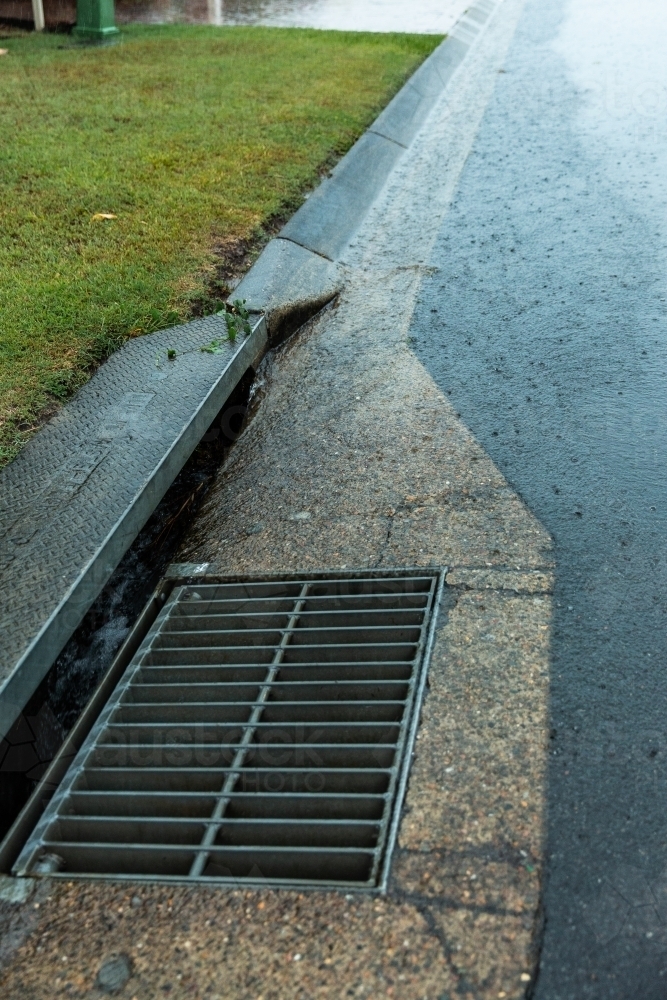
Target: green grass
194,138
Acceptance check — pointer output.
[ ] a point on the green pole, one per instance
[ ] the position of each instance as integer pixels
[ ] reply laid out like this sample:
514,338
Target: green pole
95,20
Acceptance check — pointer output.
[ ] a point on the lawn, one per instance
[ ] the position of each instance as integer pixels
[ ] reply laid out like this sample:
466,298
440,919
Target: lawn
194,139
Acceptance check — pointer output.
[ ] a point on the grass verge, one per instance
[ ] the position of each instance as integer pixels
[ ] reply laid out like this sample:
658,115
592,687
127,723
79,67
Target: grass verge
194,139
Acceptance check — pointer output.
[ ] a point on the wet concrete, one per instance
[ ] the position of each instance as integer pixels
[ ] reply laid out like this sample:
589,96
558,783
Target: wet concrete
544,322
422,17
532,369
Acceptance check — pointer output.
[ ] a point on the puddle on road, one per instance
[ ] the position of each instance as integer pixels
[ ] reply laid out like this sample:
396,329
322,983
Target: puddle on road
423,16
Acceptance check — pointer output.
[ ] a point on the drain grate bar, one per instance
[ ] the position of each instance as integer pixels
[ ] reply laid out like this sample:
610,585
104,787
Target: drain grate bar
261,734
249,734
357,780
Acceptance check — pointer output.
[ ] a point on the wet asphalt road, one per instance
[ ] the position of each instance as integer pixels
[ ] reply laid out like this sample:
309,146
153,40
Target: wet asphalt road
546,324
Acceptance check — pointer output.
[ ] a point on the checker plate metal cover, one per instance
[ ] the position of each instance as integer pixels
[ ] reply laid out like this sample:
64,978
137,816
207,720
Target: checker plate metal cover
81,490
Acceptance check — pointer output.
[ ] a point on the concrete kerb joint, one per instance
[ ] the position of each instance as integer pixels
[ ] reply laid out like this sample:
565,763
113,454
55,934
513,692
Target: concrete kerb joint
288,284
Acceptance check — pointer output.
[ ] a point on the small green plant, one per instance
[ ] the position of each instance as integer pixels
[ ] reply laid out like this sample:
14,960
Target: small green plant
237,320
171,353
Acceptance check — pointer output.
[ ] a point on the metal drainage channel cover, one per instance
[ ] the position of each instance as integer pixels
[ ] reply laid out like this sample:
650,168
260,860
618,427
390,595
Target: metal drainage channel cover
262,734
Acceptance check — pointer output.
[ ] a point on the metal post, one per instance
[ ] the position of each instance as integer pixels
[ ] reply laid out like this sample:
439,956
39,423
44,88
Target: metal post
95,20
215,12
38,14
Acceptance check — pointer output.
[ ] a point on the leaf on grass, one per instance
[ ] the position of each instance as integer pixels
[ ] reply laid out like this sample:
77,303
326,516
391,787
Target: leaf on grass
103,215
4,52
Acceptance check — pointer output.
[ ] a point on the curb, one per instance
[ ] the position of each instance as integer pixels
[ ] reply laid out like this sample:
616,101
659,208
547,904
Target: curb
297,273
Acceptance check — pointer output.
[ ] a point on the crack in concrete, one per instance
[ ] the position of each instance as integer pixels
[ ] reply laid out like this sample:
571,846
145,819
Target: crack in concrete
447,903
463,986
387,541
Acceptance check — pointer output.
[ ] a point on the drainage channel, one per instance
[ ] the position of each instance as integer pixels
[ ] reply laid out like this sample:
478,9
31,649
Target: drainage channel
260,734
54,709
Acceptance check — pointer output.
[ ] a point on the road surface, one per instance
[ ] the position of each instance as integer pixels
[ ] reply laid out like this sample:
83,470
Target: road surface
543,319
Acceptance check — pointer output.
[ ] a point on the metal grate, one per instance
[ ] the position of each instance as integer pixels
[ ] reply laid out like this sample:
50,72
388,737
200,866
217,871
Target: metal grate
262,733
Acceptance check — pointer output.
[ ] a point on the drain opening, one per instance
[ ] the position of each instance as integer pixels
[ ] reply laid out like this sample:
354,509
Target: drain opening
261,734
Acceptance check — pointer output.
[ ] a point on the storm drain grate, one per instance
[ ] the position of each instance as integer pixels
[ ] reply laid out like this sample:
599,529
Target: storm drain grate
262,733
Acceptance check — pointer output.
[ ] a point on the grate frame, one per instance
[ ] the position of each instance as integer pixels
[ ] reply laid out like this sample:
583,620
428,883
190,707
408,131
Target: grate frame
392,752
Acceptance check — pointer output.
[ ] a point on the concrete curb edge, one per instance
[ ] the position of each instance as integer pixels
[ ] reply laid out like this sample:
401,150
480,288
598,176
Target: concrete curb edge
297,272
